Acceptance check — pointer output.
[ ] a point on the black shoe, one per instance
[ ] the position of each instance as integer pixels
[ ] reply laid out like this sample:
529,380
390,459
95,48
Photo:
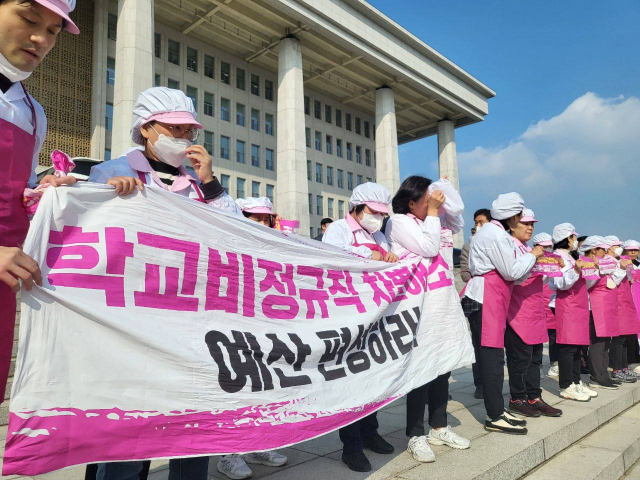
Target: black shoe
357,462
479,393
523,407
378,444
504,425
450,397
544,408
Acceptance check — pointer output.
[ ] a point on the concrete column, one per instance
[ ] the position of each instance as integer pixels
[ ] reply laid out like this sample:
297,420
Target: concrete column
134,66
448,163
293,189
387,160
99,87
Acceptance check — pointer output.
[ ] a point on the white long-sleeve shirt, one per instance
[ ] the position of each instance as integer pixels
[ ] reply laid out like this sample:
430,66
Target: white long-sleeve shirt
344,233
494,249
407,234
15,109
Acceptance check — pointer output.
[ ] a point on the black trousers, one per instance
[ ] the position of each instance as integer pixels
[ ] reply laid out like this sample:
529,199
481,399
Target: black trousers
92,471
352,435
569,364
633,349
618,353
554,349
435,395
523,363
598,355
475,324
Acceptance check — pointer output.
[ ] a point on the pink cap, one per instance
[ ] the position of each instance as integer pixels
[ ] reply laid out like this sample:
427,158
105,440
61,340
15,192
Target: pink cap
62,8
546,243
604,246
378,206
528,216
528,220
259,210
174,118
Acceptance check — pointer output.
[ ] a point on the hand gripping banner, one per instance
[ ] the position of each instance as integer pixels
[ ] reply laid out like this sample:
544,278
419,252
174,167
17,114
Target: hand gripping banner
165,328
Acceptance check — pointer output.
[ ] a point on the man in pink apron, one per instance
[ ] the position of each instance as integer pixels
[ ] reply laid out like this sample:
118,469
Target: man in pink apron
494,267
525,334
28,31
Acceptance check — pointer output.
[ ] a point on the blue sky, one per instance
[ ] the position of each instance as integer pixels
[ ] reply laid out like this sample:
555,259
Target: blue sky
564,127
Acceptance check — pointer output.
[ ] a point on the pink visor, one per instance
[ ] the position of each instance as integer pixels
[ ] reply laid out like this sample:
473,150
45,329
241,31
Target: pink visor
603,245
61,8
174,118
546,243
259,210
378,206
528,220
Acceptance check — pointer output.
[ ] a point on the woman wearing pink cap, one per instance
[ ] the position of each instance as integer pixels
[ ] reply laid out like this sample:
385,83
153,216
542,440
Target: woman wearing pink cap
526,332
28,31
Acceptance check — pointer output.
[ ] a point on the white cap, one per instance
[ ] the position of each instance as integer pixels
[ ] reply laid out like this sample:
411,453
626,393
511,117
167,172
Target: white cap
562,231
631,245
256,205
506,206
164,105
612,241
371,194
543,239
594,241
528,216
453,204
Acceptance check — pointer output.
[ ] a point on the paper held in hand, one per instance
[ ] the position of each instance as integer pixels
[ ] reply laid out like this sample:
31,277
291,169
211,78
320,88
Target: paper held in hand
548,264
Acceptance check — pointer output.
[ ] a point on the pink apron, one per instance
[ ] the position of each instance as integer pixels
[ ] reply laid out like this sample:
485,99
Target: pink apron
635,290
604,306
548,313
16,151
572,315
629,322
526,311
495,308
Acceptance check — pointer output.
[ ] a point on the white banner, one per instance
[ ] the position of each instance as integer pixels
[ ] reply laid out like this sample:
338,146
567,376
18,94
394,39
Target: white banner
165,328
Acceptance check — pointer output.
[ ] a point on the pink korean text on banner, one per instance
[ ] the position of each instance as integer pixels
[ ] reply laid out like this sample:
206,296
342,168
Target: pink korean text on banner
589,270
166,328
607,265
548,265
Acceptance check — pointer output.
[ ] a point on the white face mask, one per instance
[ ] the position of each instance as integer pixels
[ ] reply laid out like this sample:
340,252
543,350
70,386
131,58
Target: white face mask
12,73
618,251
371,223
169,150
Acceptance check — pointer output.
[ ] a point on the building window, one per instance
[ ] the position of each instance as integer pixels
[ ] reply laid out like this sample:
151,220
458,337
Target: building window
107,154
112,28
255,155
367,129
255,84
268,90
307,136
329,175
328,117
240,151
192,59
339,147
359,180
269,159
225,142
317,109
268,124
209,66
270,189
358,154
330,207
208,142
319,141
111,71
240,187
357,126
173,48
192,93
158,81
311,209
108,117
240,78
350,180
209,101
338,118
255,189
309,170
340,178
318,173
240,113
173,84
225,73
224,181
349,151
319,204
367,157
225,109
347,121
329,144
307,105
255,119
341,208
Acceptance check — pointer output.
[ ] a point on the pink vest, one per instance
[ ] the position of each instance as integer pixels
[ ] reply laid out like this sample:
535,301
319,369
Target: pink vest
526,311
572,315
629,323
548,313
604,306
495,307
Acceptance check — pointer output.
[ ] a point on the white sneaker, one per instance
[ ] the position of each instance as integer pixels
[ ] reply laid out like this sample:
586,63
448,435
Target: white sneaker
446,436
270,459
637,370
553,371
573,393
234,467
420,450
582,387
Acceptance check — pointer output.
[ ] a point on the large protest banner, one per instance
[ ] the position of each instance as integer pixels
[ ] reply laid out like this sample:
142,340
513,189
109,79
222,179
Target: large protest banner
165,328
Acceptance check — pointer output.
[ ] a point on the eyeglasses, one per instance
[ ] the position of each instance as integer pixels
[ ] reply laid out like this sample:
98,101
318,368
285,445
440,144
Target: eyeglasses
180,131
